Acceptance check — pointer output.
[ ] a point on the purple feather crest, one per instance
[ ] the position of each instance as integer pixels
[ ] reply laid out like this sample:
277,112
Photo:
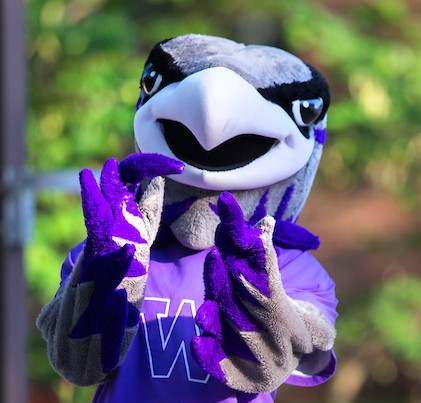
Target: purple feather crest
288,235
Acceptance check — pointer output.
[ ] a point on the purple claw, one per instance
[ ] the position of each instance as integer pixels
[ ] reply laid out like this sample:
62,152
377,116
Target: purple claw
208,319
229,211
95,208
219,288
208,353
139,166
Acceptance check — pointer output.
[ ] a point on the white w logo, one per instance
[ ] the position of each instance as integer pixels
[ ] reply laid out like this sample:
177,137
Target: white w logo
169,338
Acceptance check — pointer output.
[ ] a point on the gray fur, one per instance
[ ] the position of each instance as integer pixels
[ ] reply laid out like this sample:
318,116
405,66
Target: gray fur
291,330
261,66
135,288
77,360
150,206
302,182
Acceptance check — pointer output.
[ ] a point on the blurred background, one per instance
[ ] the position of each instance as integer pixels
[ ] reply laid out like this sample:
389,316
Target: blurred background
85,58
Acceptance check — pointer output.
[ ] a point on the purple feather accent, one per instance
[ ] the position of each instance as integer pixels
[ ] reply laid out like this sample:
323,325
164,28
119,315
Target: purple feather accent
260,211
320,135
292,236
173,211
284,202
214,208
139,101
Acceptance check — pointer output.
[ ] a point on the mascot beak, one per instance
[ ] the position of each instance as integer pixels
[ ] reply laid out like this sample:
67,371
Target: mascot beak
216,105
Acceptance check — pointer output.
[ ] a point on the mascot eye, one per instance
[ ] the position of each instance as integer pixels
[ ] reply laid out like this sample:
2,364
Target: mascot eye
307,111
151,80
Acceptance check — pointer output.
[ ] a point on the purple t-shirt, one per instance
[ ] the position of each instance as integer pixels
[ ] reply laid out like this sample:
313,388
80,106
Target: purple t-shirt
159,367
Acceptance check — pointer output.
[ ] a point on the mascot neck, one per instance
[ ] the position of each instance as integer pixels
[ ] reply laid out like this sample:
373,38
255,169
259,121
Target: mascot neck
190,213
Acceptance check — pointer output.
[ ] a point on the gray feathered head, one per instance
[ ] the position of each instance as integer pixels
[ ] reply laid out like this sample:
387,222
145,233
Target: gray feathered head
247,119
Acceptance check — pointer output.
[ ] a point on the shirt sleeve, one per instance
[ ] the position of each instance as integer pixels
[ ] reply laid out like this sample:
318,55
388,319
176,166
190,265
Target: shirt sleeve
69,263
305,279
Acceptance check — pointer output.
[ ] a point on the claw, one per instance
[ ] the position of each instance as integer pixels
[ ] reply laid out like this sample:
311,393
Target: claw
95,208
230,211
215,275
110,182
208,319
208,353
218,287
137,167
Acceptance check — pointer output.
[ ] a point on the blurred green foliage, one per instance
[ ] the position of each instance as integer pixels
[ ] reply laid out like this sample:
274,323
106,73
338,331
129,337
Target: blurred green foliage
85,59
389,316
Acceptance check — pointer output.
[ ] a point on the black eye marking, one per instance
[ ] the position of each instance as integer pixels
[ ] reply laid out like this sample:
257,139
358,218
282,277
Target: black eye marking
306,112
285,94
151,80
160,70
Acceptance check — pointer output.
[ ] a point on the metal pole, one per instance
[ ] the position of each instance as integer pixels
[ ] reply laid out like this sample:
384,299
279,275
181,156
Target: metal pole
13,314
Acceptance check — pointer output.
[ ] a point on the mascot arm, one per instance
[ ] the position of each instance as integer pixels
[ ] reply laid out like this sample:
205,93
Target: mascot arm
90,323
254,334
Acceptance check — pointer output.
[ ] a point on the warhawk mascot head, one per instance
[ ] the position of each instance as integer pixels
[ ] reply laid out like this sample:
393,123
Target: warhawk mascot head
247,119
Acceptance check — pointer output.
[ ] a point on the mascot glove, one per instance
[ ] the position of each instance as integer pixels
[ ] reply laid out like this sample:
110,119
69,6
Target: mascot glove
120,231
253,333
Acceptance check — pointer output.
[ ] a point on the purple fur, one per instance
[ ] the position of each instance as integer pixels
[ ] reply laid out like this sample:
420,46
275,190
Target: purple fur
208,319
173,211
234,345
240,245
108,313
292,236
115,320
286,198
139,166
69,263
320,135
260,210
209,353
102,209
218,287
289,235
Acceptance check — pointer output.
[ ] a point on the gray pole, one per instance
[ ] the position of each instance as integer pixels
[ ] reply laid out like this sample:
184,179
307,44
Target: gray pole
13,314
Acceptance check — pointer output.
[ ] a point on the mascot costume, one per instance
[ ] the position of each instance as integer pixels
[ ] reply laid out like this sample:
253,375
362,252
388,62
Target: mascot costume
202,289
